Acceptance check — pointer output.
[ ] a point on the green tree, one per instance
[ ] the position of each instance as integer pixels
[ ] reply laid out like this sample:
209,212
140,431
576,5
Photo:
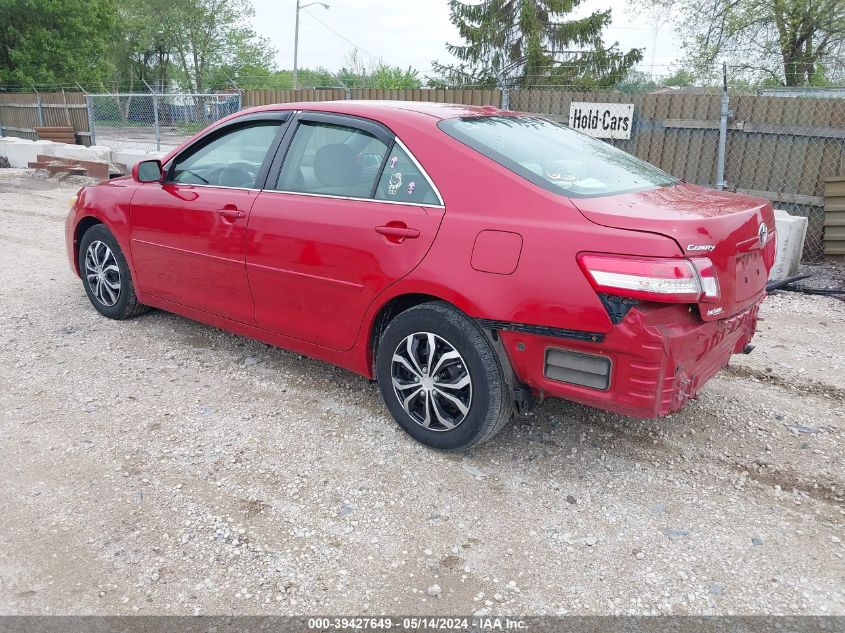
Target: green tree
212,42
204,44
142,47
636,81
680,78
531,42
357,73
392,77
784,42
51,42
258,78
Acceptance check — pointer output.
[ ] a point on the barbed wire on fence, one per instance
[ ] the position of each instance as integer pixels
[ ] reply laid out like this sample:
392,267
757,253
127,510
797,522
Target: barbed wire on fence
551,75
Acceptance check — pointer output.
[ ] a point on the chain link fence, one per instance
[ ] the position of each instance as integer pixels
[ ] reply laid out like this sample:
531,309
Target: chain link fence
776,144
781,147
154,121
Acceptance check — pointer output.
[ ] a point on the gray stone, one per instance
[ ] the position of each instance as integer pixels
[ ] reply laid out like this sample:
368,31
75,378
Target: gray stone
676,533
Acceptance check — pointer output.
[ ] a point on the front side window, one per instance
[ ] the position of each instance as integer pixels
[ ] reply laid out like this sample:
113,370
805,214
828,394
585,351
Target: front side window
230,160
402,180
555,157
330,159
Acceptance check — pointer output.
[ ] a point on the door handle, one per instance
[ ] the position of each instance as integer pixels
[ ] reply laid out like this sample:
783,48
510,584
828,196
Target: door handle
398,233
231,213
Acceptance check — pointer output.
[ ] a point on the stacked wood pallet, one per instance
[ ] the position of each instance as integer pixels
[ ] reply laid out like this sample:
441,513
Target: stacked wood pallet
56,134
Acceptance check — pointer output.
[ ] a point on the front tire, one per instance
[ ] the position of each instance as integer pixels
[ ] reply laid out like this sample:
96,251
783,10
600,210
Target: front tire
441,379
105,275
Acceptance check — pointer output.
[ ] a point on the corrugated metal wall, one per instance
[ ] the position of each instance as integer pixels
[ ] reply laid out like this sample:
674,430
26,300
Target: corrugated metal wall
20,113
834,218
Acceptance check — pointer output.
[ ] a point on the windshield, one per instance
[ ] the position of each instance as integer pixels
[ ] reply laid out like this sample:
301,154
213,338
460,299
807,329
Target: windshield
555,157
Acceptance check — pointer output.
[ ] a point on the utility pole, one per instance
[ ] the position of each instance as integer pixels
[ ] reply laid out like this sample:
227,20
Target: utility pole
296,39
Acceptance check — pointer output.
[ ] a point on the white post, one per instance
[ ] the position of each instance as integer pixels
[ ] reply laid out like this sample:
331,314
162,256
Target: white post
296,48
723,130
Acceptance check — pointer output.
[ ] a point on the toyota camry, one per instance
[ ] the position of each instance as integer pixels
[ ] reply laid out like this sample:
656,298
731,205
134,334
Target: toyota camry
472,261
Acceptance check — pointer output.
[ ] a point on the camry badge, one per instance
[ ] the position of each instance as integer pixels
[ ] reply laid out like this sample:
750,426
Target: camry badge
700,247
763,233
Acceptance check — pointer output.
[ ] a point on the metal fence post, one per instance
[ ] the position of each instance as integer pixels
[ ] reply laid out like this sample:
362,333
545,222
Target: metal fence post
506,98
155,117
723,131
89,106
158,126
40,104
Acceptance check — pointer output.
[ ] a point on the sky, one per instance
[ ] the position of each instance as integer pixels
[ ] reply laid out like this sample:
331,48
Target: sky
414,32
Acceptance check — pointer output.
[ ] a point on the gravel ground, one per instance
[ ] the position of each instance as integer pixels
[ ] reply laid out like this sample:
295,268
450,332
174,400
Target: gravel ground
825,275
161,466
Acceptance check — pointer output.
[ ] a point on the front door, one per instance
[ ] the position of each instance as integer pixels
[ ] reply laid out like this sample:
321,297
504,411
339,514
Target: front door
349,213
188,233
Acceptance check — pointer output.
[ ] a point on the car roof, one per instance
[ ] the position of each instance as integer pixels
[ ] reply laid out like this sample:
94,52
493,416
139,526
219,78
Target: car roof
387,112
373,108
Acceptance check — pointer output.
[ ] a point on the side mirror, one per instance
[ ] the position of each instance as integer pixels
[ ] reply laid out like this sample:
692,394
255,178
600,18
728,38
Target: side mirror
147,171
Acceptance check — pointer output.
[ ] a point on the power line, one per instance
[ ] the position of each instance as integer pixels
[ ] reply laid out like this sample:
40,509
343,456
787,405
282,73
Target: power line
343,37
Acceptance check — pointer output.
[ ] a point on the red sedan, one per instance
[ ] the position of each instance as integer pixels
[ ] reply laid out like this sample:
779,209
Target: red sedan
471,260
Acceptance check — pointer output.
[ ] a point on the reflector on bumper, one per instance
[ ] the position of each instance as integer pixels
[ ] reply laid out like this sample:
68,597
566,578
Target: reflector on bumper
578,369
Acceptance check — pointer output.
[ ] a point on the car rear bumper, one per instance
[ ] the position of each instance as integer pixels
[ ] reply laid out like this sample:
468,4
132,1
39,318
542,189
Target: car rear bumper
659,357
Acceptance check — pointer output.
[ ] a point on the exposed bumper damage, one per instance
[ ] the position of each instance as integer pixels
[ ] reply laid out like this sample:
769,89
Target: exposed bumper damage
660,357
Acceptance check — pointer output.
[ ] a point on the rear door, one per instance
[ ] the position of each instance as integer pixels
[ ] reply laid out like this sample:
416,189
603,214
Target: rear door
188,233
346,212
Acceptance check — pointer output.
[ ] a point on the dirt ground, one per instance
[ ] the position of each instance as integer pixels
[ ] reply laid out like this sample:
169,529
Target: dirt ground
159,466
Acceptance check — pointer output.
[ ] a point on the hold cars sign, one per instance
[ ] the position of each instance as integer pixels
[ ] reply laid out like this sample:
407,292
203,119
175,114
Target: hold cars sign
602,120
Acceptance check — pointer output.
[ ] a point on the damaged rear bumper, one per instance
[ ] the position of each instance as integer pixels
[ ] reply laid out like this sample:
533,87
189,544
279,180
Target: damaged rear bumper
656,359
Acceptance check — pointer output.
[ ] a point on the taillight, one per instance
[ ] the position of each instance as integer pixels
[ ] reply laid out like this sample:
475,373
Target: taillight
652,279
709,280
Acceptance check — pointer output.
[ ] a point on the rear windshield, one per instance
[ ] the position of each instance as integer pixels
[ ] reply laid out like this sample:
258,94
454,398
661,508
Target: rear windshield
555,157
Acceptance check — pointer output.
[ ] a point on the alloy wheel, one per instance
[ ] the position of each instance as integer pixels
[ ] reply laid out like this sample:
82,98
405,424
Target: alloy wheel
102,273
431,381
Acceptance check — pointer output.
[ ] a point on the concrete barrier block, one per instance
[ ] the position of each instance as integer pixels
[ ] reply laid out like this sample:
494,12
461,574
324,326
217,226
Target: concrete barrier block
80,152
20,152
126,158
791,233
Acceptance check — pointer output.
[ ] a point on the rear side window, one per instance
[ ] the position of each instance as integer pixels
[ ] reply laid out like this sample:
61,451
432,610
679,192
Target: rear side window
330,159
556,157
402,180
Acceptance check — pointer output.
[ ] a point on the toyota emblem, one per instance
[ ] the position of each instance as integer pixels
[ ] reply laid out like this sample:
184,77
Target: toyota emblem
763,233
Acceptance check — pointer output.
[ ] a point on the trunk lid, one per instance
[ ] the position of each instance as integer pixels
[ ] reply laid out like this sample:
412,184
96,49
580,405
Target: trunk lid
736,232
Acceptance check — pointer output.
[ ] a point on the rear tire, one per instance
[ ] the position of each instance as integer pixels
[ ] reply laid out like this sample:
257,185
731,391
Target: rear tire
105,275
441,379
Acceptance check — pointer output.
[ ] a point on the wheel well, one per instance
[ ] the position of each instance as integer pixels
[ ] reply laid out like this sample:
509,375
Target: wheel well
83,225
390,311
393,308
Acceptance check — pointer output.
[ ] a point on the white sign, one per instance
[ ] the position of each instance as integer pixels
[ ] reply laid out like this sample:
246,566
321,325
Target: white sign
602,120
